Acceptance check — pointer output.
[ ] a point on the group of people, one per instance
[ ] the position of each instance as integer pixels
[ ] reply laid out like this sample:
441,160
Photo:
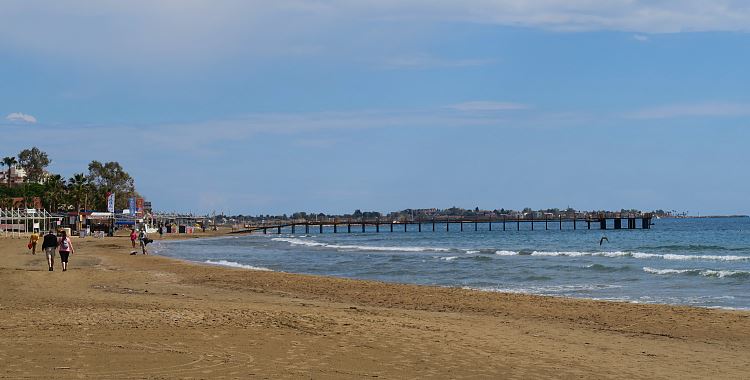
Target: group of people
51,245
142,238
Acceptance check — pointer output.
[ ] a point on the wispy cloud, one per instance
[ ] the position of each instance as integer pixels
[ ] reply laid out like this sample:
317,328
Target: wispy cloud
429,62
708,109
479,106
200,31
641,38
20,118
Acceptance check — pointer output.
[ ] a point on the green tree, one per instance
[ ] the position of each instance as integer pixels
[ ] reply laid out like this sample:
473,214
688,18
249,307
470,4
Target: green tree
110,177
33,161
78,190
9,162
78,187
54,192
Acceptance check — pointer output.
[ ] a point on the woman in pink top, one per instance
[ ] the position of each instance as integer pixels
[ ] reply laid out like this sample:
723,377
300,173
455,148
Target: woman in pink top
66,248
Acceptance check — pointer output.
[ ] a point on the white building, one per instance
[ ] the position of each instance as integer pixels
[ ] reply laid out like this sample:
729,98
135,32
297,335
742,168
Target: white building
17,175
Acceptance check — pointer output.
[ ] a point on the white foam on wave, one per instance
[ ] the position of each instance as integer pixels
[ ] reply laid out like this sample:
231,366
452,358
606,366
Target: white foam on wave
547,289
449,258
233,264
637,255
670,256
312,243
609,254
702,272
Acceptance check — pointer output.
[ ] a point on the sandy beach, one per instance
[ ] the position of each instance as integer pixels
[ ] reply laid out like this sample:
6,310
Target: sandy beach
113,315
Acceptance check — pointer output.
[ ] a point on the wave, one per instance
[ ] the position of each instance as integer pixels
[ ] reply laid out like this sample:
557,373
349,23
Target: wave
606,268
700,272
312,243
523,252
235,265
695,248
615,254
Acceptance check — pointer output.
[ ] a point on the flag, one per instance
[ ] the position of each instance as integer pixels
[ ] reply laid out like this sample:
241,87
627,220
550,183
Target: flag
111,202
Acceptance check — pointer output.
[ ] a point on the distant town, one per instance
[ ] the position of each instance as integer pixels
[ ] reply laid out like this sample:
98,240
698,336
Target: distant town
105,198
453,213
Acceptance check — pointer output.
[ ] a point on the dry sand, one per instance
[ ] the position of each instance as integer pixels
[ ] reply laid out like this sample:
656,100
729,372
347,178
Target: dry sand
113,315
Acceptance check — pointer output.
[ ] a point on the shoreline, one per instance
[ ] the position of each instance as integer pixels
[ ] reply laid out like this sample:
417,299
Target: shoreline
241,266
152,316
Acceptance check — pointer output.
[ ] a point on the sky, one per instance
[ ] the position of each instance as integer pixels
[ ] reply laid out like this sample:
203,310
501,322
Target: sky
260,107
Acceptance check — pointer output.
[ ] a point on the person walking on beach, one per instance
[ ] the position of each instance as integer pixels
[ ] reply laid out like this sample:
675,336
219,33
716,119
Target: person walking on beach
49,245
32,241
143,239
133,237
66,249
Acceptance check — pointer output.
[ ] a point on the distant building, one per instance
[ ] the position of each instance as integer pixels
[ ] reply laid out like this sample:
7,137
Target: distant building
17,176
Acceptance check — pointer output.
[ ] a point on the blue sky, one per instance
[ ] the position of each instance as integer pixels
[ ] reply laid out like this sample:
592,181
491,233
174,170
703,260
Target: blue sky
250,107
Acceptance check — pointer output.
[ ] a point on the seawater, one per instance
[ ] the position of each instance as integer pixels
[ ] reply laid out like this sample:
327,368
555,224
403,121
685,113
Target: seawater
697,262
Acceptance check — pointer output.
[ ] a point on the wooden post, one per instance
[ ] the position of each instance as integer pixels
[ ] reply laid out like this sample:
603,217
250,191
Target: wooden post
349,228
618,223
405,224
391,226
532,223
504,223
574,222
420,227
433,225
335,228
377,226
588,223
602,223
321,227
293,228
560,222
447,225
518,224
475,226
490,224
278,230
307,228
545,223
462,226
264,231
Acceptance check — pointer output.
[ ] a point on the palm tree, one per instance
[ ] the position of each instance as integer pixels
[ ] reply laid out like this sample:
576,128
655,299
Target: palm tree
9,162
54,190
78,191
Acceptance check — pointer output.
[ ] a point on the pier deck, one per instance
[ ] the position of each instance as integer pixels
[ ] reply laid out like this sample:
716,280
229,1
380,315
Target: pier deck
503,223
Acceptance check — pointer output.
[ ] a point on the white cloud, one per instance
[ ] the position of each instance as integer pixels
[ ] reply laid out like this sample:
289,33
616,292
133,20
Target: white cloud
488,106
708,109
21,118
428,62
193,32
641,38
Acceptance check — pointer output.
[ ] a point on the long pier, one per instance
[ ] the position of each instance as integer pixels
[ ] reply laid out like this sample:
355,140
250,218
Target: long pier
503,223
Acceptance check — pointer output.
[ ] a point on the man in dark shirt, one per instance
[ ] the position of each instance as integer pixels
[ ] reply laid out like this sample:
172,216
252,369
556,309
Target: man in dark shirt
49,245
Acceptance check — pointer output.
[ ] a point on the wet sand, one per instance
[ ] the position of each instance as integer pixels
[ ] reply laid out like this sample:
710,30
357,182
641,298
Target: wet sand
112,315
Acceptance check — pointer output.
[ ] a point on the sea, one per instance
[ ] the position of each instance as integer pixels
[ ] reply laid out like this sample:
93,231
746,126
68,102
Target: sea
702,262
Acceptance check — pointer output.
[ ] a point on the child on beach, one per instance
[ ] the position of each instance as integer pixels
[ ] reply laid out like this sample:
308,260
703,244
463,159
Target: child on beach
32,241
49,245
133,237
66,249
